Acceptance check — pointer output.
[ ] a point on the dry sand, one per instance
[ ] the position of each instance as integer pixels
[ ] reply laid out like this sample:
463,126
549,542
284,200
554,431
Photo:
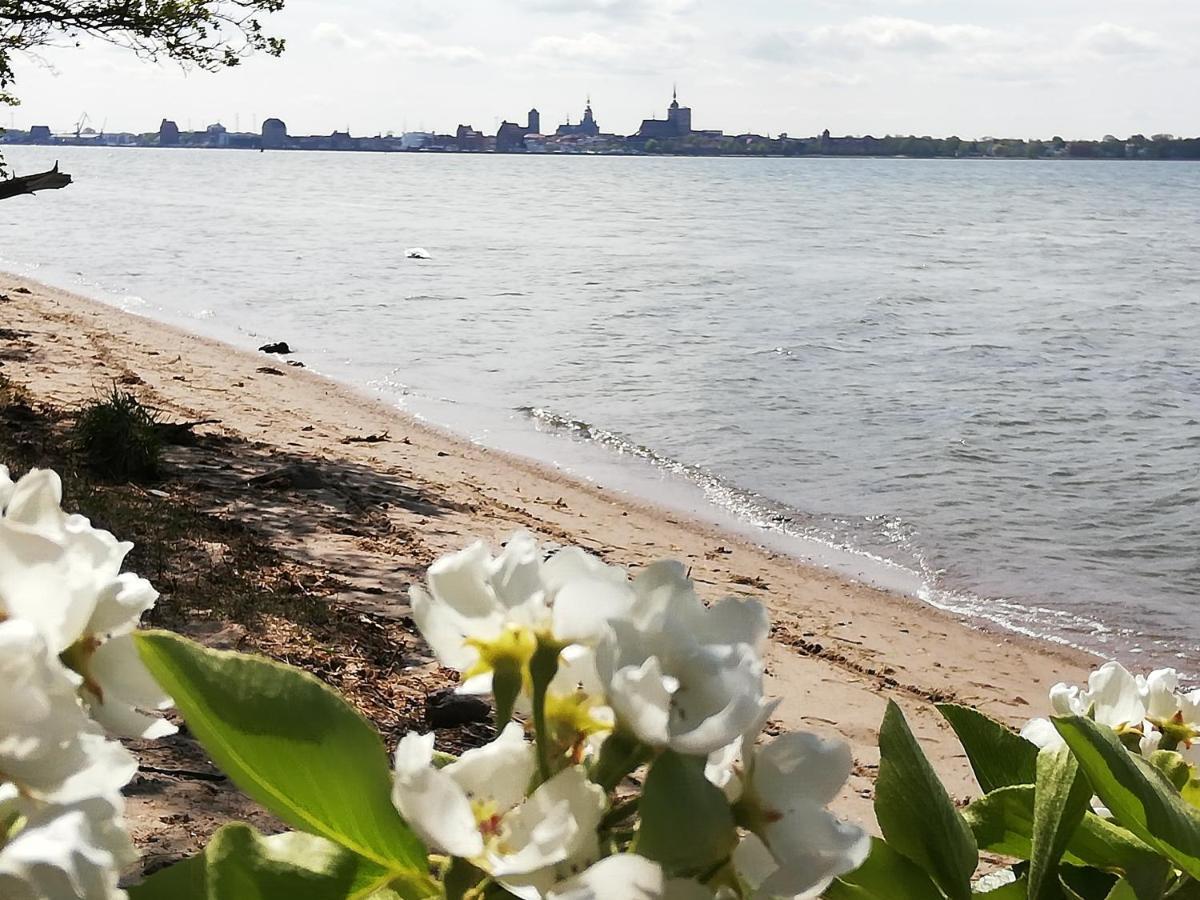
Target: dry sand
377,513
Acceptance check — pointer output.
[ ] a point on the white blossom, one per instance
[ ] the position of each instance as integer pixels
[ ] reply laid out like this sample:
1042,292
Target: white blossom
6,488
627,876
48,745
478,609
1174,716
476,808
64,576
678,674
1147,711
74,850
780,792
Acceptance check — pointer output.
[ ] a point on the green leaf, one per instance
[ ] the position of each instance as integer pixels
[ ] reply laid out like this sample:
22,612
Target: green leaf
916,814
1061,797
1122,890
289,742
1003,823
240,863
999,757
687,825
886,875
1139,796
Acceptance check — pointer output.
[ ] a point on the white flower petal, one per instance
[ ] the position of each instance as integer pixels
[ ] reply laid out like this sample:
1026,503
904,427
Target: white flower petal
1043,733
66,852
801,768
47,743
737,620
584,607
36,501
123,720
40,584
1115,696
517,572
499,772
577,672
625,876
1189,708
811,848
118,668
641,698
443,629
1162,701
6,488
121,604
720,696
574,563
666,597
431,802
1068,700
461,580
753,861
552,836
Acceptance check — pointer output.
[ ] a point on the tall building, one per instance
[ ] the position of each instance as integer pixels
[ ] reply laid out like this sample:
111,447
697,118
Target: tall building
274,134
217,135
535,122
678,122
168,134
468,138
587,127
510,138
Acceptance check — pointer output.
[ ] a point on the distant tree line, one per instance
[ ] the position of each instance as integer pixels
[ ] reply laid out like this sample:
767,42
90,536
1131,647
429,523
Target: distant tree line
1159,146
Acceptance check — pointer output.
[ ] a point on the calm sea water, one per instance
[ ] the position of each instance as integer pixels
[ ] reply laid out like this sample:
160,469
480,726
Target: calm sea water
977,380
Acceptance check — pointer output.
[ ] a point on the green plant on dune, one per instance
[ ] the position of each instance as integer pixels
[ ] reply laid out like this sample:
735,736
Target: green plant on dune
119,438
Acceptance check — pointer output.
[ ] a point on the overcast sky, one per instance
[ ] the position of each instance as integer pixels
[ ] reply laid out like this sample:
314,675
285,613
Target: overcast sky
1021,68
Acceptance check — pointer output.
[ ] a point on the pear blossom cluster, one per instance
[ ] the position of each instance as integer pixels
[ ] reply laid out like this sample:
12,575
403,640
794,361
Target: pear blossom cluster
610,672
1148,712
70,681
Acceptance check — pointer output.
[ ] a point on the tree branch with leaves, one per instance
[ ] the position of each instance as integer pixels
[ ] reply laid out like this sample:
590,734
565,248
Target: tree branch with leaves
204,34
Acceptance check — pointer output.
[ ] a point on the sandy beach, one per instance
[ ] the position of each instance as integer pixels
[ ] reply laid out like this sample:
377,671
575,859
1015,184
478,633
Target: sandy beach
370,496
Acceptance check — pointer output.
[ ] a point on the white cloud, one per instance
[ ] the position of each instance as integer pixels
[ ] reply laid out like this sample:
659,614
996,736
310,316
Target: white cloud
617,9
874,34
334,35
1111,39
410,46
414,46
590,49
623,52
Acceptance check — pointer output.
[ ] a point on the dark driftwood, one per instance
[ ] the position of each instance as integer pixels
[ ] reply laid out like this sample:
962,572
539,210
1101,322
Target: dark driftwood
28,184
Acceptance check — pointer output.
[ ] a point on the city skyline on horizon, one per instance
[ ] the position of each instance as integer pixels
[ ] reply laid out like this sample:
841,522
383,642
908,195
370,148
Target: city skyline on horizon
923,67
255,122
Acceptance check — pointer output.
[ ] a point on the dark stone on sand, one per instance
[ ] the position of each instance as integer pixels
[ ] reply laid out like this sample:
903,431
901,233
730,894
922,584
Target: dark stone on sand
446,709
295,364
277,347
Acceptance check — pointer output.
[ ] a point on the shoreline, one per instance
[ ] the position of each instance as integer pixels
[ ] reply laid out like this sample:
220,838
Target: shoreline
659,483
840,648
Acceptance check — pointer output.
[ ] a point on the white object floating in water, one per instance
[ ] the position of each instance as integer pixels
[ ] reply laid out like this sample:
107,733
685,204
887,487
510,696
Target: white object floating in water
416,253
